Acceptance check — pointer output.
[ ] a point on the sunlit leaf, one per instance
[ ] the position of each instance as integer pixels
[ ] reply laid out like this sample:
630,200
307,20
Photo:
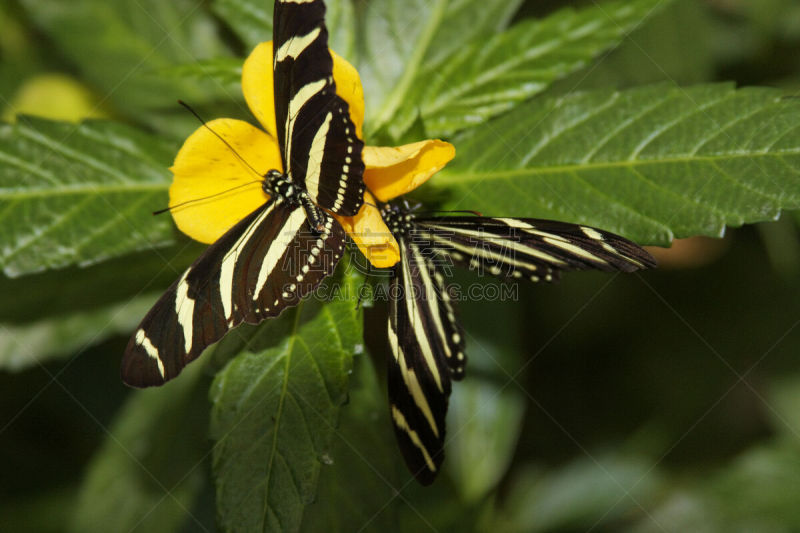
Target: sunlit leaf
651,163
402,37
495,72
76,194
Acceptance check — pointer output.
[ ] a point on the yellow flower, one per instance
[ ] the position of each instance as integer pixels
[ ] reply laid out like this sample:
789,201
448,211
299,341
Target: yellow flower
214,187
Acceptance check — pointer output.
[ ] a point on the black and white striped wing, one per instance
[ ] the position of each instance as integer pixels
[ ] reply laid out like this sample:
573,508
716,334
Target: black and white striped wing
427,351
528,248
321,150
261,266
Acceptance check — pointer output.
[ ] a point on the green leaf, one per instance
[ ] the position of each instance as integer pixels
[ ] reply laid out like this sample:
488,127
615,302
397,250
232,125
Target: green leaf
781,241
759,488
483,426
43,512
584,494
492,74
365,485
276,406
251,20
227,71
54,293
674,46
76,194
120,46
486,410
361,474
22,346
757,491
748,34
21,56
651,163
150,467
403,40
783,401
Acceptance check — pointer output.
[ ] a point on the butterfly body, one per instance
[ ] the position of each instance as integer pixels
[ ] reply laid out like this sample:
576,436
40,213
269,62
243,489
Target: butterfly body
277,185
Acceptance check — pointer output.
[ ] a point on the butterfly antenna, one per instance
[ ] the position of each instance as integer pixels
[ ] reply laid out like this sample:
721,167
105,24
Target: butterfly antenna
218,136
170,208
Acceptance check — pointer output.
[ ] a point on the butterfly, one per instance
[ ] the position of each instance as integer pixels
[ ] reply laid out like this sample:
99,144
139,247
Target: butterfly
281,251
425,338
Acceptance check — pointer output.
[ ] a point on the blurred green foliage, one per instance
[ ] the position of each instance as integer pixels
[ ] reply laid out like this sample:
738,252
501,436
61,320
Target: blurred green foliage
661,401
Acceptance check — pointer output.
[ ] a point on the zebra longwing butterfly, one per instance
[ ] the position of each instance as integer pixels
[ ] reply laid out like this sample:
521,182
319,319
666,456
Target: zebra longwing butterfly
426,340
282,250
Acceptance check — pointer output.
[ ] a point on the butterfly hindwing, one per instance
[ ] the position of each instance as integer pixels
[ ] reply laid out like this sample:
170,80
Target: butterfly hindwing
264,264
529,248
427,351
318,140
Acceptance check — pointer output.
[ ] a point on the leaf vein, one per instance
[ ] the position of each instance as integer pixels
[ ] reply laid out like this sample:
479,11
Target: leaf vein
722,130
567,128
53,224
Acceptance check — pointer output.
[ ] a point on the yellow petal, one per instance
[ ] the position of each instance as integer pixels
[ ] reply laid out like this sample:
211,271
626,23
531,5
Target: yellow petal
348,87
257,86
395,171
219,187
370,233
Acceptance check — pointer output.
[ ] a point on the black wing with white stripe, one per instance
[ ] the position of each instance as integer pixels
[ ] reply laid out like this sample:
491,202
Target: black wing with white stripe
427,351
533,249
273,257
318,140
264,264
426,340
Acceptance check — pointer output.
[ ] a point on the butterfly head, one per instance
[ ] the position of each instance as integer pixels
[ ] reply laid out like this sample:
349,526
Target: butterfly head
274,182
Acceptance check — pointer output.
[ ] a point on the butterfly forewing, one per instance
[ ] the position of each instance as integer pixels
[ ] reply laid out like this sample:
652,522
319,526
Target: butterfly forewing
264,264
318,140
427,351
528,248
